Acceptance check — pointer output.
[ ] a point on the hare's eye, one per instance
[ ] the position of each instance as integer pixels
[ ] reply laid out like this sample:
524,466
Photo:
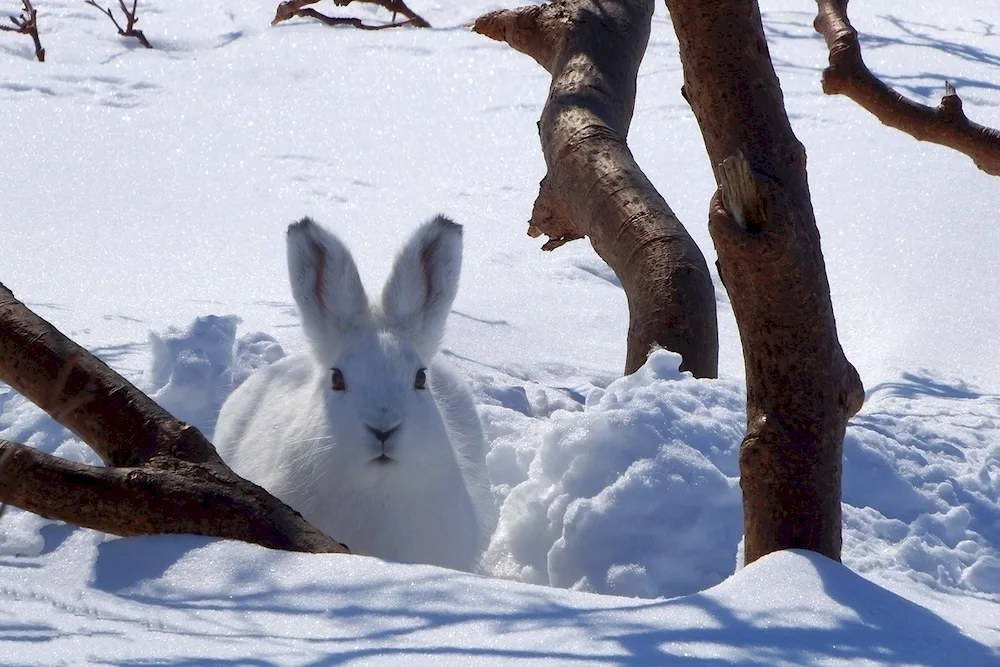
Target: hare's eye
337,380
420,382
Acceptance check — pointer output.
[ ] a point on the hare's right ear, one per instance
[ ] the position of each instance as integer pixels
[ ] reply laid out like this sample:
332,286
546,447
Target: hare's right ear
417,297
326,287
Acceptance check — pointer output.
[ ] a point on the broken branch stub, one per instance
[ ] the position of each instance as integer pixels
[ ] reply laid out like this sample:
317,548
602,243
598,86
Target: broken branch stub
739,193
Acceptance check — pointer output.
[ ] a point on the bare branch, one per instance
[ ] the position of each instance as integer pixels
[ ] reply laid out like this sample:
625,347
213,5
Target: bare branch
357,23
27,24
163,476
537,31
295,8
946,124
131,18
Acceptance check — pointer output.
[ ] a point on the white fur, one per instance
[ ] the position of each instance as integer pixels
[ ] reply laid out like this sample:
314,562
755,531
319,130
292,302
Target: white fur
288,430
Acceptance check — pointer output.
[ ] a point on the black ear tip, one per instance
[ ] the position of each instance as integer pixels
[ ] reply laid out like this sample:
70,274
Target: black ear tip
445,223
302,225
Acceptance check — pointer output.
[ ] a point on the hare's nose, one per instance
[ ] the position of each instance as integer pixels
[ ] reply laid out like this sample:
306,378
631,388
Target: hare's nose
381,435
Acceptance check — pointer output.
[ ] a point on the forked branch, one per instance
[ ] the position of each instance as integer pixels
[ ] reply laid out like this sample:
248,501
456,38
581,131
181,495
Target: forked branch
945,124
27,24
297,8
131,18
162,475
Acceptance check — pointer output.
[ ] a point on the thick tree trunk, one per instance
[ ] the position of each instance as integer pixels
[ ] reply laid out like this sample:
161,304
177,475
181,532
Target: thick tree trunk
163,476
594,187
801,390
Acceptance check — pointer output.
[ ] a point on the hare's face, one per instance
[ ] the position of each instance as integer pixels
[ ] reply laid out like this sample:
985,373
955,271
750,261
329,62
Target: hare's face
381,407
370,358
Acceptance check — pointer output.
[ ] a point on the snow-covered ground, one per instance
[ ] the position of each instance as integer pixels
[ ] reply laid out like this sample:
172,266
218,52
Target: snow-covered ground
144,198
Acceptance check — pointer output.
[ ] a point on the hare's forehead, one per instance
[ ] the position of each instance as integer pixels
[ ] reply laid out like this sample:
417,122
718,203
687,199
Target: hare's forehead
379,352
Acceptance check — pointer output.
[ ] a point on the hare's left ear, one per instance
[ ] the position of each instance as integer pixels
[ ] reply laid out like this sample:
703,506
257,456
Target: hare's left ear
326,287
422,286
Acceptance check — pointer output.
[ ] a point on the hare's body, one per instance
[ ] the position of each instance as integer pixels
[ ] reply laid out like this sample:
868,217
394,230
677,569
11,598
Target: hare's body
374,443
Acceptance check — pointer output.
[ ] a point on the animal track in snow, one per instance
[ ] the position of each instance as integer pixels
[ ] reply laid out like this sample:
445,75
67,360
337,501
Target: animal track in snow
106,91
315,176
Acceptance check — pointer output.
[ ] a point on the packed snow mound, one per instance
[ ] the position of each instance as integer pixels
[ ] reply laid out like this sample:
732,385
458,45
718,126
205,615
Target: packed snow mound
635,495
193,371
636,491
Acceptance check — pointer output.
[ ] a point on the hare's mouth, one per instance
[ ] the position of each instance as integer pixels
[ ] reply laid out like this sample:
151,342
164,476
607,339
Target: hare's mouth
382,459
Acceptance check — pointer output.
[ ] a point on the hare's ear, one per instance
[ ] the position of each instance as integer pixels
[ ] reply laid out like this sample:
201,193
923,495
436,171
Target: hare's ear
326,287
424,280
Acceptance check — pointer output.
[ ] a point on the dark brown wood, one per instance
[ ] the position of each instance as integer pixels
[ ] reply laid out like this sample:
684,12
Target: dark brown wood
131,18
801,389
945,124
27,24
162,475
594,188
295,8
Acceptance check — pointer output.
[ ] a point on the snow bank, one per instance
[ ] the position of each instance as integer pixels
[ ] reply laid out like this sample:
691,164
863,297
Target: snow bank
634,495
193,371
632,489
922,484
191,600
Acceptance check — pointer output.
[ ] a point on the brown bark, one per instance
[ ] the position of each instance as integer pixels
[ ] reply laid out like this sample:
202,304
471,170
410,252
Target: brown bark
801,389
163,476
27,24
593,186
131,18
946,124
293,8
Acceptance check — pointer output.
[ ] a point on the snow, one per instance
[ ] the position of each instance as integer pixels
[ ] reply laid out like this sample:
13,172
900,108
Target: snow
145,198
195,601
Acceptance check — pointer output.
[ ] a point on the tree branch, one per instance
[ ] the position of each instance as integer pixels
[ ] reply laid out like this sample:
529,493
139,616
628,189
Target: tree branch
946,124
594,188
163,476
294,8
131,19
27,24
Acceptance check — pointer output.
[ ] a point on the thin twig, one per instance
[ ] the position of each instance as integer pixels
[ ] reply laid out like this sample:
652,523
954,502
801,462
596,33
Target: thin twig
27,24
946,124
295,8
131,19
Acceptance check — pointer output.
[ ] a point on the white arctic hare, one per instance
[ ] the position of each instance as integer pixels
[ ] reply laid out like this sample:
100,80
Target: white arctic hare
367,437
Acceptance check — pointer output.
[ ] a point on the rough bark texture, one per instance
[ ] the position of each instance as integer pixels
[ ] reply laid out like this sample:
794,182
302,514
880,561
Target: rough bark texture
594,187
801,390
163,476
945,124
